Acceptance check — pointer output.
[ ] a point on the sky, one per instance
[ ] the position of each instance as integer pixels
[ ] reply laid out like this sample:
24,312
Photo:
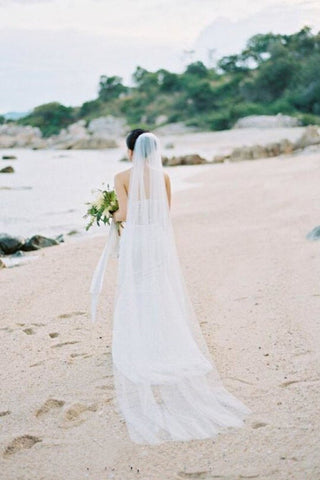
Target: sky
56,50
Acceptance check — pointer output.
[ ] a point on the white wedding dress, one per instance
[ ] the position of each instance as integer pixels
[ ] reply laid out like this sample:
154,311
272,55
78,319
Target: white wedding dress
166,384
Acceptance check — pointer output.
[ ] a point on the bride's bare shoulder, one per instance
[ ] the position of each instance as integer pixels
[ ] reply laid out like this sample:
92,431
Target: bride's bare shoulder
123,174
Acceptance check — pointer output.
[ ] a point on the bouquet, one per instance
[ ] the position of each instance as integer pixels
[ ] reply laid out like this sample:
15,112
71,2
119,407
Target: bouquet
102,209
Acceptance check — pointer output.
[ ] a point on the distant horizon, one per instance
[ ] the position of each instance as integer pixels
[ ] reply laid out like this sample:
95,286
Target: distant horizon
56,51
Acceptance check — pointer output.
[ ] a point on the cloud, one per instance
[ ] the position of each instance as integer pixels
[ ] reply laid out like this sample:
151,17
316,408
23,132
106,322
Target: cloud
42,66
225,37
8,3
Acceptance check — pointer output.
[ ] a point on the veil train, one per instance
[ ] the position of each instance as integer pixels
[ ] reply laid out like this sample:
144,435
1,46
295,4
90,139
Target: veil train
166,383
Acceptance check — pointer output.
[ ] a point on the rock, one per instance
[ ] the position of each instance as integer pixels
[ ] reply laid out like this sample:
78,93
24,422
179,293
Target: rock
38,241
10,244
193,159
8,169
314,234
77,137
258,152
238,154
171,162
286,146
93,143
9,157
273,149
60,238
108,127
310,136
12,135
267,121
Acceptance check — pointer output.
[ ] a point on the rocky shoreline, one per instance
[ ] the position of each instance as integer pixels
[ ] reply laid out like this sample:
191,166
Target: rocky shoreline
310,137
100,133
12,248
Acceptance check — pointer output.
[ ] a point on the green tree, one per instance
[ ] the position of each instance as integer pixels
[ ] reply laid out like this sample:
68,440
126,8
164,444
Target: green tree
50,118
197,69
110,88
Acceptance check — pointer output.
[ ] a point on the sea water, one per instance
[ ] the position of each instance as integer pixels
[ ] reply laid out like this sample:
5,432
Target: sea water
47,192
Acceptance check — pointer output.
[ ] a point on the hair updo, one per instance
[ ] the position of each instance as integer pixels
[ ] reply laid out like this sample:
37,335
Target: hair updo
132,137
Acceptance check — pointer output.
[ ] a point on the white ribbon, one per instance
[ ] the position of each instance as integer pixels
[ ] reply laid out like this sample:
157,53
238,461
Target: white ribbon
111,249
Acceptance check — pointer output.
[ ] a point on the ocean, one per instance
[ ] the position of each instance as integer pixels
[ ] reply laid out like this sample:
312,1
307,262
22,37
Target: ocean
47,192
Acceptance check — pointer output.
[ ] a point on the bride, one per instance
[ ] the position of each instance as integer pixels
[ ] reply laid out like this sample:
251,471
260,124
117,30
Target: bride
167,386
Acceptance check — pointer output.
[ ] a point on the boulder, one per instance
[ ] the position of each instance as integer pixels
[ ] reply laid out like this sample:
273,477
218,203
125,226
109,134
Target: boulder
38,241
108,127
238,154
314,234
286,146
10,244
193,159
8,169
9,157
267,121
273,149
258,151
78,137
310,136
12,135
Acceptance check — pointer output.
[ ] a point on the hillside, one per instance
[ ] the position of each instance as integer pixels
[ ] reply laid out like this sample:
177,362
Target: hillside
274,74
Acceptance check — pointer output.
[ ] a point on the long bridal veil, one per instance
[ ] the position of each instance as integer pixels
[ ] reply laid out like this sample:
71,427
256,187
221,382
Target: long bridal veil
167,386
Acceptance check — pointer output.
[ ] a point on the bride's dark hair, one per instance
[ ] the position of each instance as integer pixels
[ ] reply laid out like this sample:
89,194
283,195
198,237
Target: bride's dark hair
132,137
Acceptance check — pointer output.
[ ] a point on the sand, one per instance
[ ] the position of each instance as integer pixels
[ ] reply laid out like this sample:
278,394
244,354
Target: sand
254,280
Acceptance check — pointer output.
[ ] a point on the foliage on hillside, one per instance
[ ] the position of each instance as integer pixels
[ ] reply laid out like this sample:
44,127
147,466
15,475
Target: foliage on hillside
274,73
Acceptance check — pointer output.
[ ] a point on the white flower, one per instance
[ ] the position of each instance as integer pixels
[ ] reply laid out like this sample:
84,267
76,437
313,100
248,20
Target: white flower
98,203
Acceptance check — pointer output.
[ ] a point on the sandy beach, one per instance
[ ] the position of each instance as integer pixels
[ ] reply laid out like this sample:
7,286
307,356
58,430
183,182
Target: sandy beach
254,280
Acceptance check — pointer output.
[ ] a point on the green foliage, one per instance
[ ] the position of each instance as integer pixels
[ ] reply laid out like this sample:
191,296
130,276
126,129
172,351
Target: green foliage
102,209
89,108
110,88
308,119
2,120
198,69
50,118
273,74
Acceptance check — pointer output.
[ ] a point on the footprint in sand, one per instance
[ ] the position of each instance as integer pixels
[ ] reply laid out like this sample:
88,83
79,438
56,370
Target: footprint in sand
29,331
53,334
64,343
71,314
258,424
72,414
4,413
20,443
51,403
83,355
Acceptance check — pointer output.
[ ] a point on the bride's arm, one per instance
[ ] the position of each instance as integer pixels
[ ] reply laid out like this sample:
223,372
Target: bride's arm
121,214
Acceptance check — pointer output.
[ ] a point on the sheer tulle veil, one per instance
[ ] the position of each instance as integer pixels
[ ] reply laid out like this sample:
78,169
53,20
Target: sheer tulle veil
166,383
